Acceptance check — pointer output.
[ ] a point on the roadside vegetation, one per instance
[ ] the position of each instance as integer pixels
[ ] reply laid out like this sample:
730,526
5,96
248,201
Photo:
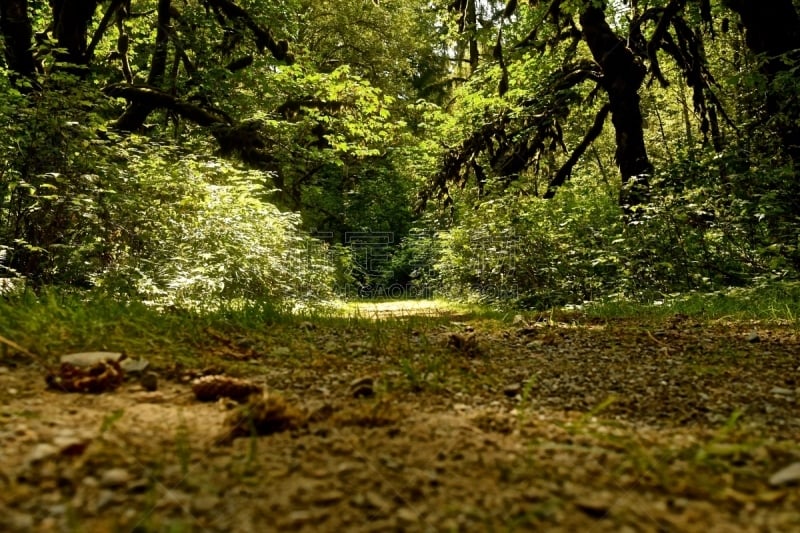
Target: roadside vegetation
399,265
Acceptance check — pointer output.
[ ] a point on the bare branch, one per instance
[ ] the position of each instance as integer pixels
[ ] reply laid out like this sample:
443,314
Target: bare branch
565,171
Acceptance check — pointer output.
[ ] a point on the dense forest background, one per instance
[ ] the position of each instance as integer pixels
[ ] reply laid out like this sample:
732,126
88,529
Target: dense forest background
544,153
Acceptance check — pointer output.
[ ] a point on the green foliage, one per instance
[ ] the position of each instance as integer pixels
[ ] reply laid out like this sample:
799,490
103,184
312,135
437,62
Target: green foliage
196,232
765,299
80,205
696,234
345,144
54,182
537,252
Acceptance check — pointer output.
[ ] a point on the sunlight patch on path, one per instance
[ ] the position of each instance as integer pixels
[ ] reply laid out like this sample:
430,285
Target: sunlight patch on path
402,309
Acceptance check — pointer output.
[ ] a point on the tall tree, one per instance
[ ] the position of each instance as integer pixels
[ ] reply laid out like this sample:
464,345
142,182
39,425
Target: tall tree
619,66
622,74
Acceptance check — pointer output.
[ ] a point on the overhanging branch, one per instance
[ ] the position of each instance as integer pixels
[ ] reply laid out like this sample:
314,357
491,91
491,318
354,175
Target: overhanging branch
565,171
153,98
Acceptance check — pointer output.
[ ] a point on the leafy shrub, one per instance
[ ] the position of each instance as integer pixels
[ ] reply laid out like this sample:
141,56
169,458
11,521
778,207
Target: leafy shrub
196,232
55,176
576,247
538,252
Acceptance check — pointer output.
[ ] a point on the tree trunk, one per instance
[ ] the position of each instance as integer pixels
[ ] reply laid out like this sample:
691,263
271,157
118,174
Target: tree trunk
136,113
71,19
623,75
772,30
472,34
17,36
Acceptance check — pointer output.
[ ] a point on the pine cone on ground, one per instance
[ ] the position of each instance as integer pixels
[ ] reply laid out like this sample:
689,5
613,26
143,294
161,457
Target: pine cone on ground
212,388
102,376
263,415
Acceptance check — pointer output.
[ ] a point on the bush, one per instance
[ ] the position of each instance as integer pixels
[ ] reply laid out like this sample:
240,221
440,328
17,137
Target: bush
197,233
576,247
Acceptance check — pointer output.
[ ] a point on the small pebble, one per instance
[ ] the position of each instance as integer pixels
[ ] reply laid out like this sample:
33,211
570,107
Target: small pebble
786,476
41,451
204,503
149,381
407,516
115,477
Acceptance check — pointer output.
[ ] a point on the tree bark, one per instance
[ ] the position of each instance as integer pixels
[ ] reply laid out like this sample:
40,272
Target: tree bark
17,35
622,78
137,112
71,19
772,30
471,20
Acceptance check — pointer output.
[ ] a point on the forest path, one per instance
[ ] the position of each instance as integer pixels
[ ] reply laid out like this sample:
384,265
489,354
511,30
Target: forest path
382,310
426,424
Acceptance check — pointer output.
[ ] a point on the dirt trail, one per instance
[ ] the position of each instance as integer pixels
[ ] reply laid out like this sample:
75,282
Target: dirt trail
468,426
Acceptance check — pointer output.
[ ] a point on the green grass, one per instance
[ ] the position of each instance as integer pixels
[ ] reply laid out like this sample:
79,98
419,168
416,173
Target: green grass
53,323
775,302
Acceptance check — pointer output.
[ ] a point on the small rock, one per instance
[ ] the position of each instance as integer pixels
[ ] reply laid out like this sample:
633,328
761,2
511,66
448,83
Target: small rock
297,519
149,381
786,476
329,497
596,507
204,503
512,390
115,477
331,346
321,413
40,452
134,366
57,510
377,502
70,445
780,391
174,499
678,504
87,359
753,337
105,498
139,486
407,516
